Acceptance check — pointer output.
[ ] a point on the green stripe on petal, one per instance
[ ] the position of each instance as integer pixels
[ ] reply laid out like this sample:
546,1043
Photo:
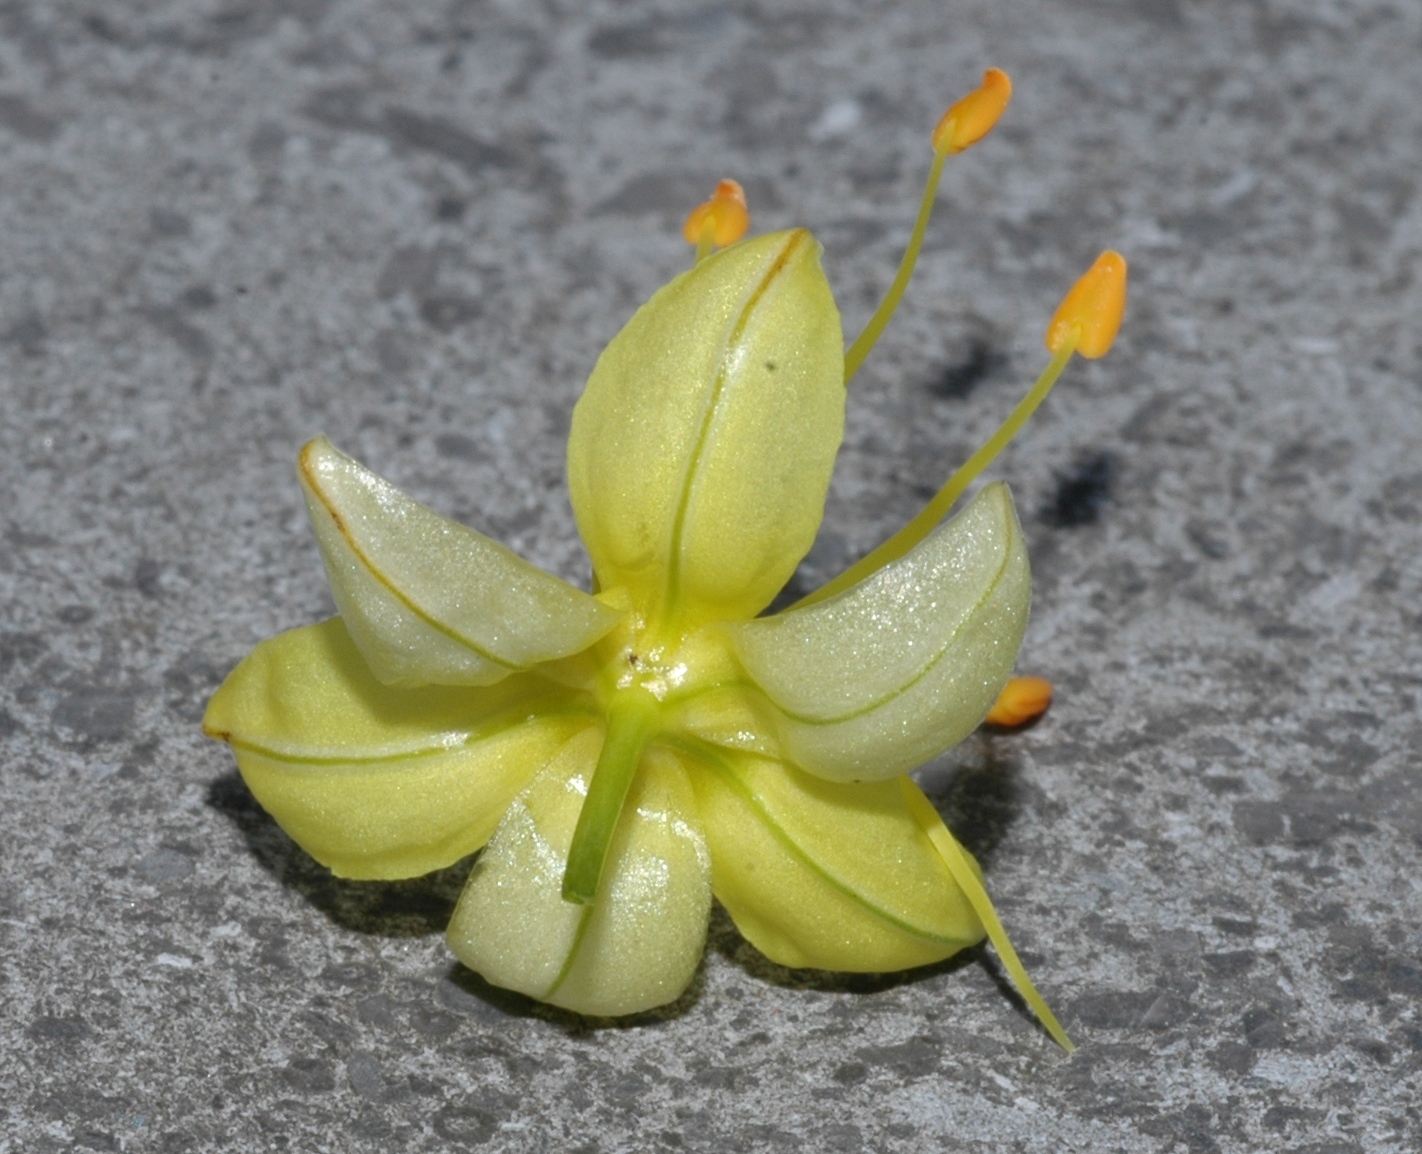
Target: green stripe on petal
428,599
375,781
307,695
886,675
824,875
638,945
402,817
702,447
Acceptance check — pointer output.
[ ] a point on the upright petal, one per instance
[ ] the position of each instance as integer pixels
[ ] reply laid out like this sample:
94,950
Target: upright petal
428,599
870,683
830,876
702,448
374,781
638,945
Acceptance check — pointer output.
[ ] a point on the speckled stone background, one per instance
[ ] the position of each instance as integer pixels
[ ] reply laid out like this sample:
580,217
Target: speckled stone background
227,225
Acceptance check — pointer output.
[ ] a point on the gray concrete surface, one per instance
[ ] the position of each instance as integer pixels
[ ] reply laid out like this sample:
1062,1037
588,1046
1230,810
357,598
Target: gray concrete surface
227,225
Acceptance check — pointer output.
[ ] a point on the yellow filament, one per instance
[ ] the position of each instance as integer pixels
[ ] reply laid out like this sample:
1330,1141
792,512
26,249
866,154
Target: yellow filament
707,241
964,124
880,320
932,513
957,862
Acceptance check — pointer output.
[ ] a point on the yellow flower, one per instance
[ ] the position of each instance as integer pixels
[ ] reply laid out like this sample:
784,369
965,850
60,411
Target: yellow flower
619,758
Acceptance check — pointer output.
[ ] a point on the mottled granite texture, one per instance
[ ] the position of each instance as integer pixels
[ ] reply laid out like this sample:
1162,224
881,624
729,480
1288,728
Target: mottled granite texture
227,225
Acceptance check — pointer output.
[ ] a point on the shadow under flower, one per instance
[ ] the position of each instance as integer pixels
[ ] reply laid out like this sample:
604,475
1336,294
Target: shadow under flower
486,1000
415,907
979,799
726,941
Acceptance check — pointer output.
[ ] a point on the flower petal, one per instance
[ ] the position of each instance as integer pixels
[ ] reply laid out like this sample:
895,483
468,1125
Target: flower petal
428,599
374,781
702,448
831,876
731,715
872,682
638,945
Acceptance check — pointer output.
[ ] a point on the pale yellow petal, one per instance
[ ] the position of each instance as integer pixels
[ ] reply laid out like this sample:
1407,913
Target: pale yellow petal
735,716
702,448
888,674
428,599
819,874
375,781
638,945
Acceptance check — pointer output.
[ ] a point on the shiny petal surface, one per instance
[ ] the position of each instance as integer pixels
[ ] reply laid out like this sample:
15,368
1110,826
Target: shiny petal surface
831,876
702,448
375,781
428,599
894,670
638,945
735,716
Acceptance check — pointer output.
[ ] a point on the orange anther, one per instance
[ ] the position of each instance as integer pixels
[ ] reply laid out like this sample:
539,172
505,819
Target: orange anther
1090,313
1022,699
972,118
725,213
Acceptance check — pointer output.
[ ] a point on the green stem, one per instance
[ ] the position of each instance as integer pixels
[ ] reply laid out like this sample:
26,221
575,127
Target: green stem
866,340
922,525
632,718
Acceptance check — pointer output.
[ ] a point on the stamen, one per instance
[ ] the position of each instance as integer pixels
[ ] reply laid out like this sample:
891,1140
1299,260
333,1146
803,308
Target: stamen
632,718
1087,318
707,241
964,124
718,221
927,520
973,117
966,877
1090,314
1022,699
